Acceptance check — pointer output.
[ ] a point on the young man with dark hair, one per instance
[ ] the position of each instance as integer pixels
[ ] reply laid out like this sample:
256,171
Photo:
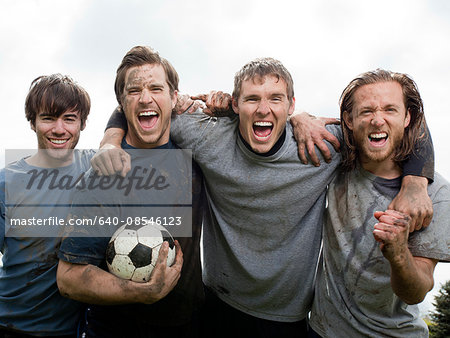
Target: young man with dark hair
30,303
373,269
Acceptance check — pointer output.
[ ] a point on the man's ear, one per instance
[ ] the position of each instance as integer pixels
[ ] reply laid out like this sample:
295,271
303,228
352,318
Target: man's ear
174,98
33,128
83,125
407,119
234,104
347,117
291,107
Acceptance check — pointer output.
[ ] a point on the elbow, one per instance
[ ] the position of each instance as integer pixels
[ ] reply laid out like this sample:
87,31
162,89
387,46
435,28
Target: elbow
63,281
63,289
414,286
414,300
419,295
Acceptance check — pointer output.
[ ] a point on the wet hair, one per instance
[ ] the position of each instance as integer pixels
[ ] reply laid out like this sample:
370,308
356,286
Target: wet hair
55,94
413,103
259,68
138,56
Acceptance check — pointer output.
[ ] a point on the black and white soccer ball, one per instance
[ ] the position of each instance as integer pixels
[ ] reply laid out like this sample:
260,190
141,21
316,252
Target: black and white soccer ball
132,251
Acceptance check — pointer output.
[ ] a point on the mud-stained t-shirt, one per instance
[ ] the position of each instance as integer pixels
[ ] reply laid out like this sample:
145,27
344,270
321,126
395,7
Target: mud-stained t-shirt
262,229
353,294
179,306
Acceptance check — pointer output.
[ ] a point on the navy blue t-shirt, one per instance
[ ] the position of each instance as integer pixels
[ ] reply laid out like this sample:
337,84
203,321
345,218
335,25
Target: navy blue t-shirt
179,305
30,301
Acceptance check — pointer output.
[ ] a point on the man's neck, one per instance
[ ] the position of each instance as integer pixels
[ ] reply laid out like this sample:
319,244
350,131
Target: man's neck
387,169
138,144
43,160
126,145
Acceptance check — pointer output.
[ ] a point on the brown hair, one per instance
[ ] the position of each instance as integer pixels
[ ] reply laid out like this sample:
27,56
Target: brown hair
261,68
138,56
55,94
413,103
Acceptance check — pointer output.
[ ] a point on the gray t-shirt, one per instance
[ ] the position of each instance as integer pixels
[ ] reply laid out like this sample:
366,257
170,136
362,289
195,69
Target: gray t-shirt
353,295
262,231
30,301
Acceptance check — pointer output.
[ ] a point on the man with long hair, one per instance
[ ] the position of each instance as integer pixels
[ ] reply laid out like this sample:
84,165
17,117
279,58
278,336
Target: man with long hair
373,269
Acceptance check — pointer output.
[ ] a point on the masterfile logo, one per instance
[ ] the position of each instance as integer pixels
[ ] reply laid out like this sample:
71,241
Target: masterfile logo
141,178
50,202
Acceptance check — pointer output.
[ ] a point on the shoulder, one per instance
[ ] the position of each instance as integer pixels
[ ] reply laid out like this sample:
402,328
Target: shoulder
82,158
439,190
201,120
336,157
2,187
12,169
198,130
2,176
432,241
14,173
335,129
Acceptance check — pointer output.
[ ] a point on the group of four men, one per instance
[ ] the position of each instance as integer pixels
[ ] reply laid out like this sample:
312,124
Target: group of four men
261,209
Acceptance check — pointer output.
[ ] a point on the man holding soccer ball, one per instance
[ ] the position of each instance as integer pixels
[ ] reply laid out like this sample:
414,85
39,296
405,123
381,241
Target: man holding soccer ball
146,88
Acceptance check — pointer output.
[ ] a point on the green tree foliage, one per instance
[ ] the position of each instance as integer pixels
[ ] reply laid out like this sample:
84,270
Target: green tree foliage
440,326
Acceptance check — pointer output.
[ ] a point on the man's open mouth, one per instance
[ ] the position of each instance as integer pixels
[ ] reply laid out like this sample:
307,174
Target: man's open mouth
57,141
262,129
148,119
378,139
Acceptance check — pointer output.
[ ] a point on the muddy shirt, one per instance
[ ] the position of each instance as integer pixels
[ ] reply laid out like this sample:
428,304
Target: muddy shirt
353,296
179,306
262,230
29,297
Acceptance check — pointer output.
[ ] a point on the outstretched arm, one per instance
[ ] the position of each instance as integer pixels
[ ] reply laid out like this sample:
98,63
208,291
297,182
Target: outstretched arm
217,103
111,159
411,277
90,284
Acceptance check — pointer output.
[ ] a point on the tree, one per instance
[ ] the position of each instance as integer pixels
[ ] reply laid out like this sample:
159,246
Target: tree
440,326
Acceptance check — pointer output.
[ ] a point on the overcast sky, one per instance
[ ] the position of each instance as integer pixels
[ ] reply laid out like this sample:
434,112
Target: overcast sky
324,44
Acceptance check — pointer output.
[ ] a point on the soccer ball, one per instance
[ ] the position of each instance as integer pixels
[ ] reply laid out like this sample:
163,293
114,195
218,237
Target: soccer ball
132,251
